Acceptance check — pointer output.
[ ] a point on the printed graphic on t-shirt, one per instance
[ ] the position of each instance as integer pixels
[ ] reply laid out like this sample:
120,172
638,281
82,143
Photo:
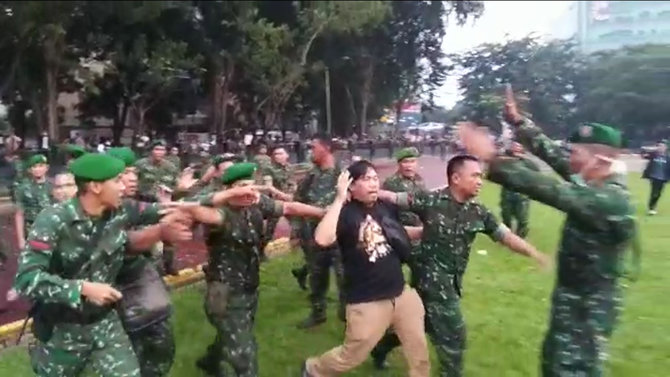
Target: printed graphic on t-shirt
372,240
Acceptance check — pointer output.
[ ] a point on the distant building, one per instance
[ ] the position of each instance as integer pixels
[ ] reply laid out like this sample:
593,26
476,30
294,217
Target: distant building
607,25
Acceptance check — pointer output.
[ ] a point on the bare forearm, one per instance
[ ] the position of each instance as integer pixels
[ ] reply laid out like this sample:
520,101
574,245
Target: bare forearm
388,196
304,210
519,245
18,226
415,232
143,239
326,232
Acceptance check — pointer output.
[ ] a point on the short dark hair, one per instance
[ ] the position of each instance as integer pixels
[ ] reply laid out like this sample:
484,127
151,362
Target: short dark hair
457,162
359,168
324,139
276,148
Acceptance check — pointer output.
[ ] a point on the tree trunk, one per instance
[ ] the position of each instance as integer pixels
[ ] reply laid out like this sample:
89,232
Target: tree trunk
52,104
398,111
368,73
213,74
120,122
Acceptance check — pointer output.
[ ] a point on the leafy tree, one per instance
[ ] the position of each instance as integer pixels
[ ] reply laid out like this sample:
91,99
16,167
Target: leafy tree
545,75
628,88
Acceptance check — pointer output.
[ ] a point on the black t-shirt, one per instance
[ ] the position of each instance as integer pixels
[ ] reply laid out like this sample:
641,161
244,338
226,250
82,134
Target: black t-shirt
372,268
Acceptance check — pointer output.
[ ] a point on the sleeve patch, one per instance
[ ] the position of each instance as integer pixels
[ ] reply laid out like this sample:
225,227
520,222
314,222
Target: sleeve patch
39,245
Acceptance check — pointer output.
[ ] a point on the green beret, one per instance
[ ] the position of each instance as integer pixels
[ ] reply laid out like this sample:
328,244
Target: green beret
241,170
158,143
406,153
596,133
96,167
75,150
36,159
124,154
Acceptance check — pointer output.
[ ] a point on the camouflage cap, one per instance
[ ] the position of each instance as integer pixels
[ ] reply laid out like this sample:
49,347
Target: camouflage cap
241,170
406,153
124,154
36,159
596,133
226,157
96,167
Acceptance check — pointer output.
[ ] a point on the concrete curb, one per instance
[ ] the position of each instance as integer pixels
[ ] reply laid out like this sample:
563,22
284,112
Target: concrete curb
187,276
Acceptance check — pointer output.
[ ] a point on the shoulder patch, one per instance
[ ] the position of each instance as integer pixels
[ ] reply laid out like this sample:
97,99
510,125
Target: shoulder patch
39,245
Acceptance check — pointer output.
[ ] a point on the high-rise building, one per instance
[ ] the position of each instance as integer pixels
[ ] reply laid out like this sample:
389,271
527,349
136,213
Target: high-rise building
606,25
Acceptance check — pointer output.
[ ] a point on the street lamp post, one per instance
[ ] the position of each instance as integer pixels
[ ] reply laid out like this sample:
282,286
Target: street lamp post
328,113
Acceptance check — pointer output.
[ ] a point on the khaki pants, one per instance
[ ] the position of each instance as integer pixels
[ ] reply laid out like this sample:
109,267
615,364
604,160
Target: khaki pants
366,324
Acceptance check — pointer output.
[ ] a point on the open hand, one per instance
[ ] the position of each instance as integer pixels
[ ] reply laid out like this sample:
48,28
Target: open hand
186,180
477,140
100,294
343,183
511,111
176,227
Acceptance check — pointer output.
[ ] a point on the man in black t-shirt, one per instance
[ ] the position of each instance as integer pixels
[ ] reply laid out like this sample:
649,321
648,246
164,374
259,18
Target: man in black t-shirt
374,245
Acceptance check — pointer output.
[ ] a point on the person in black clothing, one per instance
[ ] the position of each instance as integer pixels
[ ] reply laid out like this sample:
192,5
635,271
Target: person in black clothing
657,172
374,245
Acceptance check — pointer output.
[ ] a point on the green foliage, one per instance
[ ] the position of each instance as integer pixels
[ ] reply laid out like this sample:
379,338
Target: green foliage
543,75
628,88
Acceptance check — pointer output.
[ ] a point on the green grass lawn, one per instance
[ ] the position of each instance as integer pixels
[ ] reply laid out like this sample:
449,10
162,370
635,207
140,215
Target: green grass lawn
505,302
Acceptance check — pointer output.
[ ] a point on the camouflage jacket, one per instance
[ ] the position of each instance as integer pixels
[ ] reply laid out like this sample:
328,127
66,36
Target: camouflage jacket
449,229
32,197
509,195
600,220
264,161
235,247
281,176
399,183
151,175
136,214
61,251
175,160
317,188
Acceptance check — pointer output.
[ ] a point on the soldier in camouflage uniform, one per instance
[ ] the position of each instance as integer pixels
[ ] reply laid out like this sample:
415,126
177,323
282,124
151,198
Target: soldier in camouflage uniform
600,225
152,342
261,157
318,189
281,177
153,172
406,179
174,157
515,206
451,219
234,242
31,195
74,322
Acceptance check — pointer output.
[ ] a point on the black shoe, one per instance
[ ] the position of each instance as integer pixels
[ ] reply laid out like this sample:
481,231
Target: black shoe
379,361
300,274
312,321
171,270
205,364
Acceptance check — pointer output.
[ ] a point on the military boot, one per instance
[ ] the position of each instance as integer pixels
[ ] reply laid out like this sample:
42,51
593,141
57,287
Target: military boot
209,365
300,274
316,318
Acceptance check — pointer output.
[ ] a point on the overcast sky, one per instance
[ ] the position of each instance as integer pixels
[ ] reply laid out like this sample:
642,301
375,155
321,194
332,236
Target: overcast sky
513,18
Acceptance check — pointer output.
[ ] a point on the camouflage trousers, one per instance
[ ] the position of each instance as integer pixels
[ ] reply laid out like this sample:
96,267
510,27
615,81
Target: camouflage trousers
579,330
515,207
232,313
444,325
319,262
102,347
155,348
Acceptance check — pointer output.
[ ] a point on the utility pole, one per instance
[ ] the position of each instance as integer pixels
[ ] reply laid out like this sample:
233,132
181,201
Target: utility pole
328,114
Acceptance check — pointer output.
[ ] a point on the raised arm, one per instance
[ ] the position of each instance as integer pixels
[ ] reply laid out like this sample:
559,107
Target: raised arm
575,198
304,210
533,139
326,232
